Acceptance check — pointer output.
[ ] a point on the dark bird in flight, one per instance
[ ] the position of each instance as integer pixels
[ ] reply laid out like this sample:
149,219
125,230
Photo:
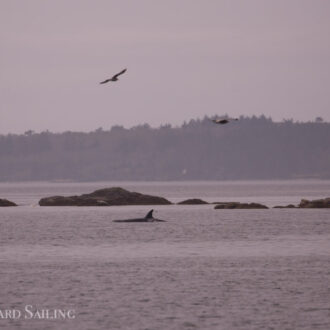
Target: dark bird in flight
223,121
114,78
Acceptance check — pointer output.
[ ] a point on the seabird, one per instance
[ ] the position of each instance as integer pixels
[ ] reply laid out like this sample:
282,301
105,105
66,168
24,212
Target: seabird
114,78
223,120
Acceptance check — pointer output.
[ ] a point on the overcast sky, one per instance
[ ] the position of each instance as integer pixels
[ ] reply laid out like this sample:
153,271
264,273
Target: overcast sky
185,59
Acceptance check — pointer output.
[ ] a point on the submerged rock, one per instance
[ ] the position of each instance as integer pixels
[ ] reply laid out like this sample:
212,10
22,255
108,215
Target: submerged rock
192,201
105,197
238,205
6,202
315,204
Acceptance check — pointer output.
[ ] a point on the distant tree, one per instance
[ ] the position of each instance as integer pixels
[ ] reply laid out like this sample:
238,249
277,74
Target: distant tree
251,148
29,132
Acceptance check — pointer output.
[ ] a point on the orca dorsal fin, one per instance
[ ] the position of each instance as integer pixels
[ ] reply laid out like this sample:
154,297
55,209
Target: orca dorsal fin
149,215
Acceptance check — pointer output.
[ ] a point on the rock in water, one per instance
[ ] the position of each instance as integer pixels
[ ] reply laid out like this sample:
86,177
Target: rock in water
289,206
193,201
315,204
237,205
105,197
6,202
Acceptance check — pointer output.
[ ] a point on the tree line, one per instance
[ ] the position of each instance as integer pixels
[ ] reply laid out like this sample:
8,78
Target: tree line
250,148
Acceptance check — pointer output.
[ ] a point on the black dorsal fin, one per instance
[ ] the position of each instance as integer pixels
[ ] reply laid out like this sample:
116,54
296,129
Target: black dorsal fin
149,215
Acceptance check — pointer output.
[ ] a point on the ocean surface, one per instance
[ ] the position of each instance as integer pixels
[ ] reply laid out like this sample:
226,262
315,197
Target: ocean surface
202,269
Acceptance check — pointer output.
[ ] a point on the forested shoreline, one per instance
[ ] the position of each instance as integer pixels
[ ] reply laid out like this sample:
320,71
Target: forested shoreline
248,149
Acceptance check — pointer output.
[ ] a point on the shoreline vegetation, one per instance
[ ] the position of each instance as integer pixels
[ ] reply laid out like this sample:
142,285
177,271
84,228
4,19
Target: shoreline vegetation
252,148
116,196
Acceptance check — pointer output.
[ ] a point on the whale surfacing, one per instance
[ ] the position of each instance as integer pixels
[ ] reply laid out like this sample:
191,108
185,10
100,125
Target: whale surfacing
147,218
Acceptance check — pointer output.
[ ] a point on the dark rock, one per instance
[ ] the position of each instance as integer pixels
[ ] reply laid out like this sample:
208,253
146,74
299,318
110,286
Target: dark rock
315,204
193,201
6,202
216,203
105,197
290,206
237,205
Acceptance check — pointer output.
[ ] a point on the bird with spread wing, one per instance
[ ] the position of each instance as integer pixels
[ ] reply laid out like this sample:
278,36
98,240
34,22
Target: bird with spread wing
223,121
114,78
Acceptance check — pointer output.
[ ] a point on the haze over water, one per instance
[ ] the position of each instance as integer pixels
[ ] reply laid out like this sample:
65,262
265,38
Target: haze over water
202,269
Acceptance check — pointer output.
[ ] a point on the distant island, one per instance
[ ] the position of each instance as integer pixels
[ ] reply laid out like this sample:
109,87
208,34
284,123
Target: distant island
105,197
252,148
115,196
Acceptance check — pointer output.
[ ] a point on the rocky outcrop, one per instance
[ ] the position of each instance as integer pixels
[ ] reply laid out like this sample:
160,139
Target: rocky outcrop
6,202
315,204
290,206
105,197
192,201
237,205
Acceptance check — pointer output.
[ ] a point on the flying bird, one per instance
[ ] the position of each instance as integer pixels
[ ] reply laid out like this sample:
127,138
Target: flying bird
114,78
223,121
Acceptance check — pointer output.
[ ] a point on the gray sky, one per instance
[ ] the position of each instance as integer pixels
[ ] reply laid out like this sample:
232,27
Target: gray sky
185,59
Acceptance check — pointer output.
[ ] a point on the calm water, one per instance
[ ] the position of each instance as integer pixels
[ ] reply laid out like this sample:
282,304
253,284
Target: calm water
202,269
